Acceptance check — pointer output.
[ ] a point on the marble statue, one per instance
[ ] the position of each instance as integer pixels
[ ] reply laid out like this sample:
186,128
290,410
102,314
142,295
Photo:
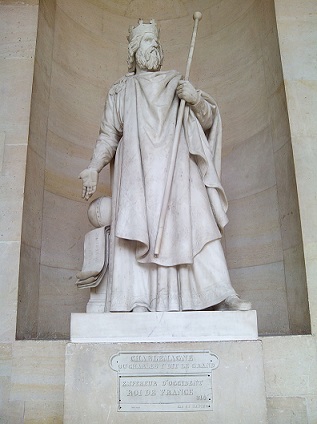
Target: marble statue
137,129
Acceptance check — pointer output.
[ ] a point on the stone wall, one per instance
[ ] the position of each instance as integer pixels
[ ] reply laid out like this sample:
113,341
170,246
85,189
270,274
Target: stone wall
32,372
17,47
290,362
297,34
236,60
32,382
29,277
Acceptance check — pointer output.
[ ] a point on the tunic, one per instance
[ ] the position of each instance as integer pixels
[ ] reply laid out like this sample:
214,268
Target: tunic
137,129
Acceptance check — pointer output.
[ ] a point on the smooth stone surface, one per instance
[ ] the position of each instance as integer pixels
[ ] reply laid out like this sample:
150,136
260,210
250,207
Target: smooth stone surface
252,238
291,369
297,23
287,410
279,118
290,366
249,167
29,276
272,62
268,296
16,79
311,404
59,250
247,116
9,253
305,150
38,412
27,318
287,198
32,375
18,29
297,299
59,297
38,371
11,192
241,71
237,384
163,326
33,200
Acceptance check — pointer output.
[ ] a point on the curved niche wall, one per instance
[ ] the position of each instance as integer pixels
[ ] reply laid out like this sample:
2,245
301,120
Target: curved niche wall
81,51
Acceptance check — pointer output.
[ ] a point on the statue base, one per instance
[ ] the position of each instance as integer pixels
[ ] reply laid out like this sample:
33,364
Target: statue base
156,367
195,382
189,326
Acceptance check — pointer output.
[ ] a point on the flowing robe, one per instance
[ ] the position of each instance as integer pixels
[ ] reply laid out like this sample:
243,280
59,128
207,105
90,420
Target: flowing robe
138,128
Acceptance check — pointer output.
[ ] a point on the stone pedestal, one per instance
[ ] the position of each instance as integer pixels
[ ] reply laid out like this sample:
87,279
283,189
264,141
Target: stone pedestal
164,326
95,389
204,367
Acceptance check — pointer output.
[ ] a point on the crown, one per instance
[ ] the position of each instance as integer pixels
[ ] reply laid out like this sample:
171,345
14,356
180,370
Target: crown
142,28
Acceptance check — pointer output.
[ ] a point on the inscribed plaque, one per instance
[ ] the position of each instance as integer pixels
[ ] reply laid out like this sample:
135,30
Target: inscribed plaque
164,381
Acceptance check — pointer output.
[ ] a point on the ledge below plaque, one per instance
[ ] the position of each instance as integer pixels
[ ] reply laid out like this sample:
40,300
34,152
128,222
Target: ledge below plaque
164,326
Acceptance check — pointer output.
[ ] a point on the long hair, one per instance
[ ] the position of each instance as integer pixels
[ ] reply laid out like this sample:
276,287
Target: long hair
132,48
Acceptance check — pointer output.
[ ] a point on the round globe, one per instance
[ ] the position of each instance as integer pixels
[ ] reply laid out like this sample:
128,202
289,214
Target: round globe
99,212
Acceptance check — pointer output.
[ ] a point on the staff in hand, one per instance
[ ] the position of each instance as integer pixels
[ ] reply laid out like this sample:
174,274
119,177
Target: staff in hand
186,87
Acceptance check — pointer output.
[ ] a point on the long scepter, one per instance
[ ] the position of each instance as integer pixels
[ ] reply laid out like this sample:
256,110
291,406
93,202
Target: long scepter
197,17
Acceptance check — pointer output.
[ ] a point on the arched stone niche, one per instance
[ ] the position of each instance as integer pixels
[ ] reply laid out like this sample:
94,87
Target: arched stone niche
81,51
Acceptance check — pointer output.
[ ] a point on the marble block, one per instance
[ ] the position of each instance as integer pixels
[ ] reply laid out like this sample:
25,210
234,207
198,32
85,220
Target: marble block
96,391
164,326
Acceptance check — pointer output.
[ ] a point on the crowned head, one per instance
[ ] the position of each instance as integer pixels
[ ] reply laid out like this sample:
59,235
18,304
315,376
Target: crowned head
144,50
143,28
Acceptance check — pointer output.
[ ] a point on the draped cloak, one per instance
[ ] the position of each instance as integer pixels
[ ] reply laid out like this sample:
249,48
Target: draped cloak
137,129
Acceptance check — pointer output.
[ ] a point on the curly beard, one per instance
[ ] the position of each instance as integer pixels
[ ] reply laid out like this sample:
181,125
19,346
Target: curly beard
150,59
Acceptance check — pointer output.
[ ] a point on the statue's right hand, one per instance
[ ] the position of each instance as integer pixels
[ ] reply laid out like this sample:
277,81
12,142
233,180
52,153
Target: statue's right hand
90,181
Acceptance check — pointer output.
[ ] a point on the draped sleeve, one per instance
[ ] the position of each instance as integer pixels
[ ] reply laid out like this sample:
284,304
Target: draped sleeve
203,112
111,128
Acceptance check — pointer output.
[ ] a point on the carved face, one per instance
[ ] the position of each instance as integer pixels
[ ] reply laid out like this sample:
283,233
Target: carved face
148,40
149,55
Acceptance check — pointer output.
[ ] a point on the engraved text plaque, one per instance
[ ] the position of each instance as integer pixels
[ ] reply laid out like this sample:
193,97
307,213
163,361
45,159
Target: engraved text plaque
168,381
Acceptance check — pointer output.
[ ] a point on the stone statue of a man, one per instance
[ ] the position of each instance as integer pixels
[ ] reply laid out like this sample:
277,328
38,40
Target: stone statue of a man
137,129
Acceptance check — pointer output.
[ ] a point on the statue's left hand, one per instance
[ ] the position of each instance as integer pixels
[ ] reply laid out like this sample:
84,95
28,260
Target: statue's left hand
90,181
185,90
